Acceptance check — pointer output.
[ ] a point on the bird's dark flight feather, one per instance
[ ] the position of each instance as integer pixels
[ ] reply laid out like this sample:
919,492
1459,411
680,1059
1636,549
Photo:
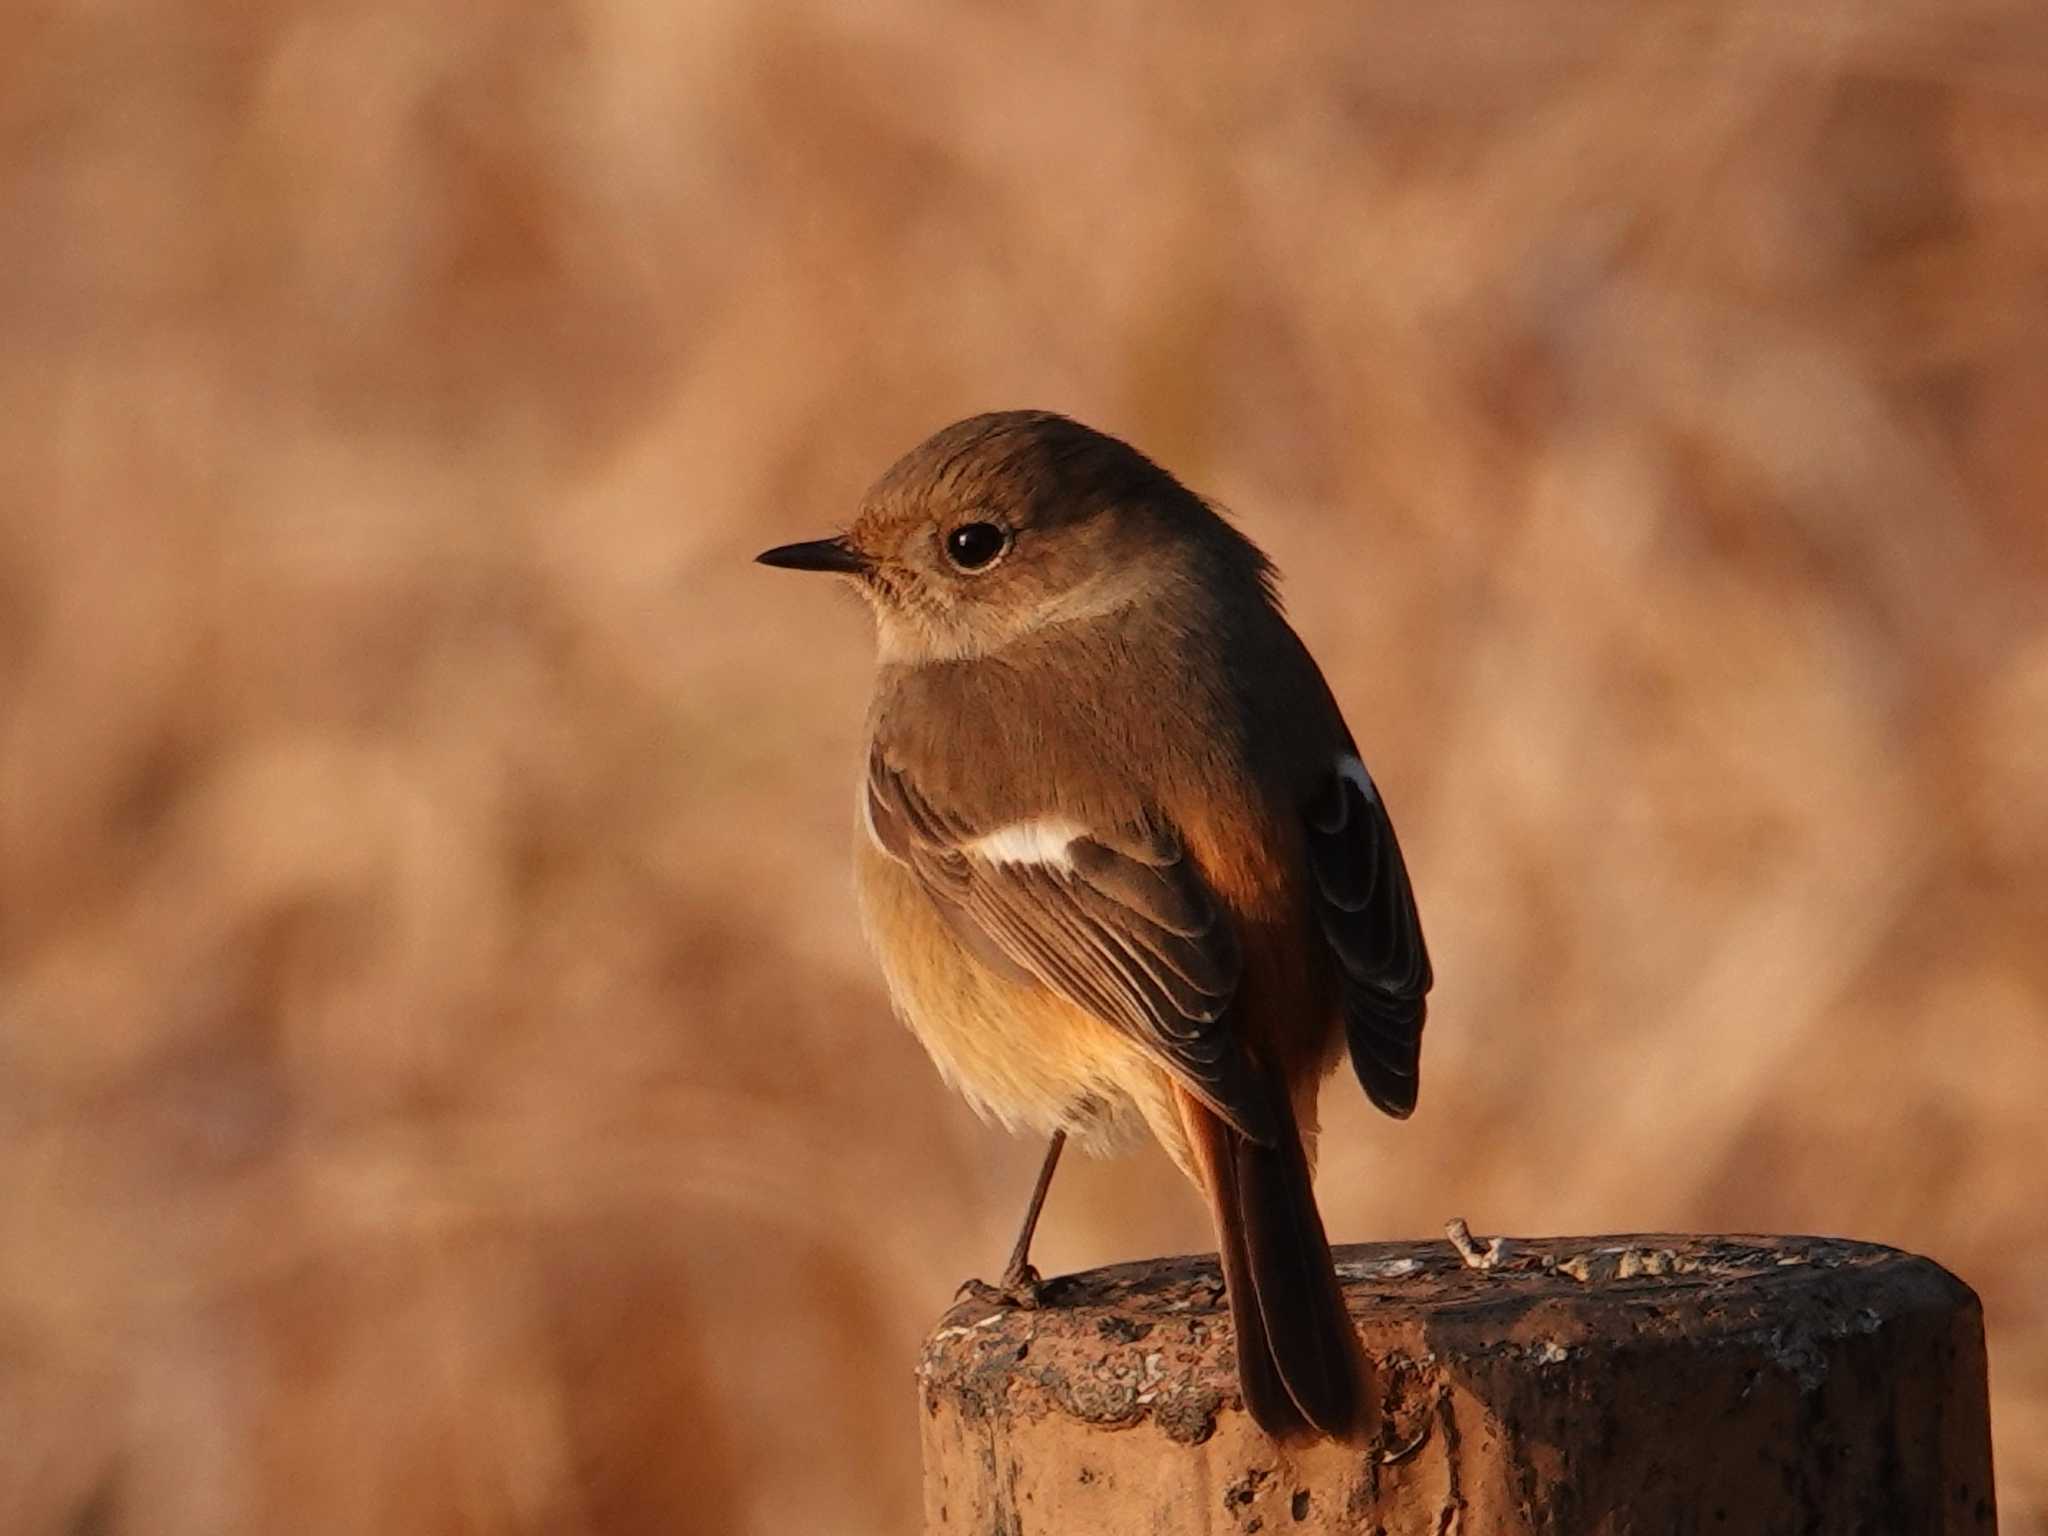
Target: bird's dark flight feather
1366,909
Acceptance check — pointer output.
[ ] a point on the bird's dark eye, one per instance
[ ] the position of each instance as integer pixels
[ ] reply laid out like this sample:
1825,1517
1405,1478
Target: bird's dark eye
976,546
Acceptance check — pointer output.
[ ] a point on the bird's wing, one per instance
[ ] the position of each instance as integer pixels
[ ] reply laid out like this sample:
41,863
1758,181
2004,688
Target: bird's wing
1115,919
1366,908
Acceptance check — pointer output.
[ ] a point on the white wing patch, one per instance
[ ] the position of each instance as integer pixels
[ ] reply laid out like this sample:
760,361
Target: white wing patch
864,808
1043,840
1349,767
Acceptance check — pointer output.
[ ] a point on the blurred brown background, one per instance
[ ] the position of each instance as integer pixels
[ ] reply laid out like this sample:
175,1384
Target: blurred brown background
441,1086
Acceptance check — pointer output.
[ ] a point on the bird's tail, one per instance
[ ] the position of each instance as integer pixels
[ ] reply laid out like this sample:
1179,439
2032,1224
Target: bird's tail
1299,1362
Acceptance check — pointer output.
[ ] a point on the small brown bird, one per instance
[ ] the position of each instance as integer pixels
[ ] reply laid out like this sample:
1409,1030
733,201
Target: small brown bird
1119,857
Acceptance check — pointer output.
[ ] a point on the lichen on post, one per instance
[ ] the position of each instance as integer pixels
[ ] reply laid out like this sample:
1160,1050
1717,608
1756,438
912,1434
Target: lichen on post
1655,1384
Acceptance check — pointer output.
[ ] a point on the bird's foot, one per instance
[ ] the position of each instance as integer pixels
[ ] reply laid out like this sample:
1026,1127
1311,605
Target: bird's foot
1021,1287
1475,1256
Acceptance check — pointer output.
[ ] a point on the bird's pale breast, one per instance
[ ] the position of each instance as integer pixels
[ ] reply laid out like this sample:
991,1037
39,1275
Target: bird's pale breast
1020,1054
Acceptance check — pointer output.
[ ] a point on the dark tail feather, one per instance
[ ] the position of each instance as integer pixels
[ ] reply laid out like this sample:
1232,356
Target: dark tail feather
1298,1358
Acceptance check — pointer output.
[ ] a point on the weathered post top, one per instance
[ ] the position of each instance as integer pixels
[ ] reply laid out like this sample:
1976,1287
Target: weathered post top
1647,1384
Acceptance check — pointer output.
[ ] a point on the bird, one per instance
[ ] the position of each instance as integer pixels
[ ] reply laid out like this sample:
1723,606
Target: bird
1120,860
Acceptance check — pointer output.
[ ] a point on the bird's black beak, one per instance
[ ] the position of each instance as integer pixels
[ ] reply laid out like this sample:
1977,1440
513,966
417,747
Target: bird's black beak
816,555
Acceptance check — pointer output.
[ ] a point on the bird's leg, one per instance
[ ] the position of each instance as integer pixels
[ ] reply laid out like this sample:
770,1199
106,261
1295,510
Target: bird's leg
1020,1284
1018,1275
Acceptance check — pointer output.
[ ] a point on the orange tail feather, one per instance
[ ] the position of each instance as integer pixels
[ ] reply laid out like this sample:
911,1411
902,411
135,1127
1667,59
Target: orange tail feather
1298,1357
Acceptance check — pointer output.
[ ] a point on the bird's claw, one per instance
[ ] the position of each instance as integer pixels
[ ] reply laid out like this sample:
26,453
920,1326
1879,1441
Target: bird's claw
1022,1288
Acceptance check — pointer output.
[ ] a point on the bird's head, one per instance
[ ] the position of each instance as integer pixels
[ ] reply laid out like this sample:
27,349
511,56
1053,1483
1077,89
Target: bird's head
1003,524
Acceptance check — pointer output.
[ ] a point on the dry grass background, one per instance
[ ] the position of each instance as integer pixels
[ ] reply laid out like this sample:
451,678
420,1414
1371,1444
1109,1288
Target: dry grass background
441,1088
